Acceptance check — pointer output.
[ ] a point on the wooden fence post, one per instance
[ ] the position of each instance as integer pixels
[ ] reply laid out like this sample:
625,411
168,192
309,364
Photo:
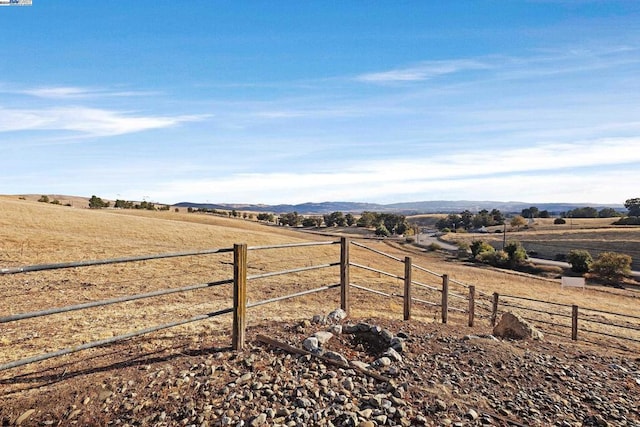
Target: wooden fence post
574,323
344,274
407,287
494,311
445,297
239,295
472,305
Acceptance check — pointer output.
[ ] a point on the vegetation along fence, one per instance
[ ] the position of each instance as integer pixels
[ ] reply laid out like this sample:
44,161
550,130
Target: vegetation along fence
421,286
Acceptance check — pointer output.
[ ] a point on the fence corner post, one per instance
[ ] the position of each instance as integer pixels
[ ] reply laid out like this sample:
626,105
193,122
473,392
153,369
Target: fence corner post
472,305
574,323
494,311
407,287
344,274
239,295
445,297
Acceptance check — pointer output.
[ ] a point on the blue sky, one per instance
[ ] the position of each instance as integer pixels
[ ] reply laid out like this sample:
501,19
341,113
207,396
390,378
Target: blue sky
298,101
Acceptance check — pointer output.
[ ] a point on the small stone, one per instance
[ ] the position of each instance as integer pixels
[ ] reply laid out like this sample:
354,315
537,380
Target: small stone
322,337
311,344
337,315
24,417
441,405
383,361
472,414
392,354
359,364
244,379
319,319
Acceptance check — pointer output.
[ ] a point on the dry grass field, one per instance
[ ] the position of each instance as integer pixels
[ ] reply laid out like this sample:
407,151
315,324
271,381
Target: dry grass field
37,233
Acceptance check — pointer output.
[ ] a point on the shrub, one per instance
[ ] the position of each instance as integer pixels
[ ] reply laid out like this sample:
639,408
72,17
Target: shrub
559,221
612,266
44,199
517,254
478,246
580,260
631,220
494,258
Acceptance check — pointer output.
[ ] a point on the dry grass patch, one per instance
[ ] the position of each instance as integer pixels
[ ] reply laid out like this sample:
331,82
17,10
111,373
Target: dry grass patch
33,233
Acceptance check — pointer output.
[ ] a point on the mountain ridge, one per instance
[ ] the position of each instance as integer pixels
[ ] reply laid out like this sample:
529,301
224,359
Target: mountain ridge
420,207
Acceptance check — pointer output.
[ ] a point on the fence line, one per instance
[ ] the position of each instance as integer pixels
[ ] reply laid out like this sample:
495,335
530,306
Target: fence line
575,317
57,266
241,304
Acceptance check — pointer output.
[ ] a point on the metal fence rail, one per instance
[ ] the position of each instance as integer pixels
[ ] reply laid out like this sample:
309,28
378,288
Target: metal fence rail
238,304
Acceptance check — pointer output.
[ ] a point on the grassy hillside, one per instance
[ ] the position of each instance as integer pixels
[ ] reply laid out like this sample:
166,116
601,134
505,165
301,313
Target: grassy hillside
33,233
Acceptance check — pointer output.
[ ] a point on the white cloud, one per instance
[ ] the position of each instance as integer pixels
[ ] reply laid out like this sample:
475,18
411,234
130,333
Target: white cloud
86,121
73,92
546,173
423,71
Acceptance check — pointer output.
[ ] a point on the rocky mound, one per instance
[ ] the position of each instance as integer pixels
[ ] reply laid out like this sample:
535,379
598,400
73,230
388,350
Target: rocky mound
374,372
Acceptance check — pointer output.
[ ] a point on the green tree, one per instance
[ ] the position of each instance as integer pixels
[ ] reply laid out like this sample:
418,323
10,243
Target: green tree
44,199
351,220
608,213
612,266
633,205
585,212
498,217
309,222
367,219
97,203
580,260
531,212
291,219
382,231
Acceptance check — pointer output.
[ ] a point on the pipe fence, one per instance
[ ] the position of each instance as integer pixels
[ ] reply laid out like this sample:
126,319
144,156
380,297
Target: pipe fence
563,319
420,285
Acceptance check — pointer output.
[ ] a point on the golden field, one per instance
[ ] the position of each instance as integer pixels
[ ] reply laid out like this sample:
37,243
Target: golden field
37,233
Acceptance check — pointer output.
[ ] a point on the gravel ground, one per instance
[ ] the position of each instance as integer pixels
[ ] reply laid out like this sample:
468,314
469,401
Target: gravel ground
437,375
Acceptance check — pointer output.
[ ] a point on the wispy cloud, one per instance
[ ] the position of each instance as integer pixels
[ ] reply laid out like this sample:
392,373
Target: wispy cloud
86,121
423,71
563,172
76,92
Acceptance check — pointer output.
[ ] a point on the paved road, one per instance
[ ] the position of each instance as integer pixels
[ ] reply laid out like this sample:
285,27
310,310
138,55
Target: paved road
425,239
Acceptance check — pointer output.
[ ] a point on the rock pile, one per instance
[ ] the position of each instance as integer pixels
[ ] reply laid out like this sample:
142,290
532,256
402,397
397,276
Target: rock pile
438,375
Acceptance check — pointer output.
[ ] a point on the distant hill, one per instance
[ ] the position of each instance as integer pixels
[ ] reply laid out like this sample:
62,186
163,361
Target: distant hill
407,208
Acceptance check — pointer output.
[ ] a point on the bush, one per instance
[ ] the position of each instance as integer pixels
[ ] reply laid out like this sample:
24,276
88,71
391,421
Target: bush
478,247
612,266
630,220
559,221
44,199
517,254
494,258
580,260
